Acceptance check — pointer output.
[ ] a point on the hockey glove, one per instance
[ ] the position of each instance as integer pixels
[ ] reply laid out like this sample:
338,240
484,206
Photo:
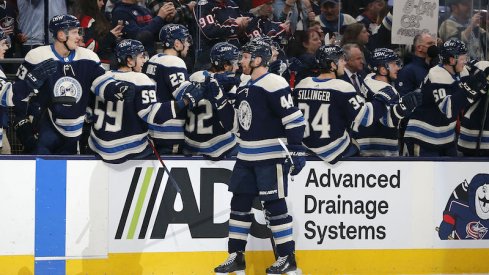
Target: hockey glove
277,67
214,91
38,75
192,94
387,95
226,79
295,64
408,103
446,227
474,85
124,91
298,155
26,135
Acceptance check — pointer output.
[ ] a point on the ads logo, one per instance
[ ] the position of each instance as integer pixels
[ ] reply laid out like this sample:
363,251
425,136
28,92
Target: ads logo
199,218
466,215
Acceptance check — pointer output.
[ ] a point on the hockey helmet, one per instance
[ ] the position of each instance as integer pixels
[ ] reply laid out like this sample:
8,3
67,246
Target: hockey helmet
172,32
382,57
259,47
327,54
128,47
63,22
224,53
452,48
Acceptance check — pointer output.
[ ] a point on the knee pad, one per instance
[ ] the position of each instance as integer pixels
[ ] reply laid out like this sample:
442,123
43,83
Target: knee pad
242,202
275,208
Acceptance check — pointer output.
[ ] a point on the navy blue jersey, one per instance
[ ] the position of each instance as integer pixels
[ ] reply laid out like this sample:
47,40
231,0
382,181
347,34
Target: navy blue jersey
136,19
433,123
76,75
204,133
265,113
471,123
168,72
331,108
216,20
120,128
263,26
381,137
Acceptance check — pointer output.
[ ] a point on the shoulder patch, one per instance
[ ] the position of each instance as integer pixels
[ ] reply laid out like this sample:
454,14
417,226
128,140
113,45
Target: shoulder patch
272,83
39,54
439,75
84,53
166,60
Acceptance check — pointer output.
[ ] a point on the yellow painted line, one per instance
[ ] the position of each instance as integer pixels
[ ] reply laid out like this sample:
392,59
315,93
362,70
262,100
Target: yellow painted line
374,262
18,265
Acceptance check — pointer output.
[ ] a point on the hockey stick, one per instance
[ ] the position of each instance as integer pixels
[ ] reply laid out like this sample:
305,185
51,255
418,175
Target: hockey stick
172,180
483,124
289,156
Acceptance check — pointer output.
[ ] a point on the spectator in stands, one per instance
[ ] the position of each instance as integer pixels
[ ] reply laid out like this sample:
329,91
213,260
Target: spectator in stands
219,21
4,143
357,33
33,24
370,16
331,19
463,26
354,67
8,23
138,22
310,43
183,10
98,35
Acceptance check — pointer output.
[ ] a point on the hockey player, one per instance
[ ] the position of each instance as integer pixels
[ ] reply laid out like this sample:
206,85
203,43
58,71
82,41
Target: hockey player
474,126
204,134
382,137
447,89
4,46
331,106
265,113
120,129
168,70
64,96
219,21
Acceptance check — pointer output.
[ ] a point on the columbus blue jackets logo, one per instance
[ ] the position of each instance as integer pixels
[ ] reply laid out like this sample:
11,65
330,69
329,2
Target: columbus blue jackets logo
466,214
68,86
244,115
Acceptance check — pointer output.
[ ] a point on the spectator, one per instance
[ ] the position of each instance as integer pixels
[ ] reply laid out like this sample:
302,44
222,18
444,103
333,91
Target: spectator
183,10
138,22
34,22
370,16
356,33
354,67
9,24
219,21
97,35
310,43
331,19
461,25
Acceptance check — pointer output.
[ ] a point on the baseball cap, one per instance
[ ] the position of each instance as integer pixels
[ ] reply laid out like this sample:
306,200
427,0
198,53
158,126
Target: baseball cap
329,1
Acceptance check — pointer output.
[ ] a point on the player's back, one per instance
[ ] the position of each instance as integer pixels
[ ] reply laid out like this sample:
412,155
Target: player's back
119,129
326,105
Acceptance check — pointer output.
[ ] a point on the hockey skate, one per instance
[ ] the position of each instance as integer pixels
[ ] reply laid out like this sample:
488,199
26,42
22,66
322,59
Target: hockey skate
285,265
234,263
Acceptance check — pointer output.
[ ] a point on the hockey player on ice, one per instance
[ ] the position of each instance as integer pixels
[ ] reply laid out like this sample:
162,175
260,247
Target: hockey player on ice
120,129
264,112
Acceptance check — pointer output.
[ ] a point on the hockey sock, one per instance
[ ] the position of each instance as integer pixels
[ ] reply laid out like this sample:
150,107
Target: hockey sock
239,221
281,226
